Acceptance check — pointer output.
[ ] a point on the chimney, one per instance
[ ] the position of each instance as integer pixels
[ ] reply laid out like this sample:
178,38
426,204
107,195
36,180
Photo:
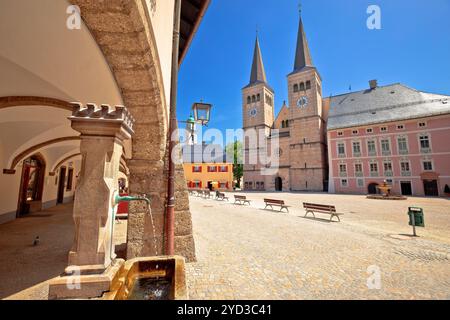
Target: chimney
373,84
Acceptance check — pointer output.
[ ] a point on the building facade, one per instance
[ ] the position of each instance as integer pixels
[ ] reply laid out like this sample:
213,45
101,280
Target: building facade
206,167
390,133
300,127
347,143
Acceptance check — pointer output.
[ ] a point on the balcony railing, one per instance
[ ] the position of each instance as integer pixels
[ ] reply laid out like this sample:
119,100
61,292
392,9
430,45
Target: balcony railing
403,152
388,173
343,174
359,174
374,174
387,153
406,173
372,153
357,154
341,155
425,150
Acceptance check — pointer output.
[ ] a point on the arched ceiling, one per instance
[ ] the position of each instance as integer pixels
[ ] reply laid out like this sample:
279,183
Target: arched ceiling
44,58
41,57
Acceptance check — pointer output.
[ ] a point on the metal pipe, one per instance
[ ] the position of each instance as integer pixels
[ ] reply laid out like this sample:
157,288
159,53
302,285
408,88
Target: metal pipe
170,214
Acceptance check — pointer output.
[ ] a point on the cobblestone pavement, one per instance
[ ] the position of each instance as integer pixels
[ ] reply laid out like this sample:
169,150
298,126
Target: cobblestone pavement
250,253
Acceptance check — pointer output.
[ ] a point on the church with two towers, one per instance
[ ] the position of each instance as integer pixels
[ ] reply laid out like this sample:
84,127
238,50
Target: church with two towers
300,126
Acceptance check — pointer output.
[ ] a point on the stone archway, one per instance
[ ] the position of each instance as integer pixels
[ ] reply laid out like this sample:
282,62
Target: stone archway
372,188
31,185
278,184
115,26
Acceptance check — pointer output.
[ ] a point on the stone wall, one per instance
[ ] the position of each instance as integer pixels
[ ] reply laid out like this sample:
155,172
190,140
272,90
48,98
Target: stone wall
125,35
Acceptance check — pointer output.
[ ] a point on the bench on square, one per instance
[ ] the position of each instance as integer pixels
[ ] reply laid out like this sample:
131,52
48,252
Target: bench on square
320,208
276,203
207,194
241,200
221,196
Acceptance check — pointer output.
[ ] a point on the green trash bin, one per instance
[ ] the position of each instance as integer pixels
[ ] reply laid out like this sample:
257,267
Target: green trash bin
416,215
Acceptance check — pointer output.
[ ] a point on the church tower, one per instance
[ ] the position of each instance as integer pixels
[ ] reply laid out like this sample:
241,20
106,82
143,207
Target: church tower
308,127
258,116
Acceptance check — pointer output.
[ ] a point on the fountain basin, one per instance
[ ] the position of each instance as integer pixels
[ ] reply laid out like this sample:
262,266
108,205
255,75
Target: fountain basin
155,278
384,197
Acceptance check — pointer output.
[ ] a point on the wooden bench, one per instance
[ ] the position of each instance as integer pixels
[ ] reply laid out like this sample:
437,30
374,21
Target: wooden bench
221,196
320,208
242,200
207,194
277,203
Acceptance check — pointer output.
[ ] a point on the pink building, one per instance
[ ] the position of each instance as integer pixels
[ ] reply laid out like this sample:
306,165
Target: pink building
391,133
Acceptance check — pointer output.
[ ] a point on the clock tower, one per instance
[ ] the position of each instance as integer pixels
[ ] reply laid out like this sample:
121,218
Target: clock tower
308,127
258,117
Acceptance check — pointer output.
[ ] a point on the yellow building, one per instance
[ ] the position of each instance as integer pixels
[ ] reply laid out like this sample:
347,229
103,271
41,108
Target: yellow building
206,167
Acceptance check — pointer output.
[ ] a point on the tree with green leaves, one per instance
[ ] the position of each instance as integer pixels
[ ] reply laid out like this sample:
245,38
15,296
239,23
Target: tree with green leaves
237,150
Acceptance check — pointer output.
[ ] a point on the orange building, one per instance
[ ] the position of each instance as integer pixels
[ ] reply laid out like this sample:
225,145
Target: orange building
206,167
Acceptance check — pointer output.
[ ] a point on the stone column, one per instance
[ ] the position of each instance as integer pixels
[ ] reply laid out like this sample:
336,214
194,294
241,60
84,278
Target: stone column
103,131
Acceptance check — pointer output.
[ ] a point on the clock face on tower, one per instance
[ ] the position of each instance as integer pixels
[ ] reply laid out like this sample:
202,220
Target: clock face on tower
302,102
252,112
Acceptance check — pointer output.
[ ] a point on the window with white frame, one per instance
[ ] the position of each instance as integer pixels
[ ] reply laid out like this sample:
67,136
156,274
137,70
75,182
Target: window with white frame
371,147
360,183
343,168
424,142
341,149
385,146
383,129
358,168
404,166
369,130
374,167
340,133
344,183
356,148
422,124
401,127
355,132
427,165
387,166
402,145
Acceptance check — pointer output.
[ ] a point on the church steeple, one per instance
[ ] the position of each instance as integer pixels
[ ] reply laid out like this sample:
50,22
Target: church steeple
258,74
302,54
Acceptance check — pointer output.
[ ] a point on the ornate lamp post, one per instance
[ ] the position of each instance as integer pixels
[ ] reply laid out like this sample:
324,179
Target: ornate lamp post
202,113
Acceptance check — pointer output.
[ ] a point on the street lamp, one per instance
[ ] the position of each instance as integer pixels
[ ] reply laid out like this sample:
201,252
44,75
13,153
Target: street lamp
202,113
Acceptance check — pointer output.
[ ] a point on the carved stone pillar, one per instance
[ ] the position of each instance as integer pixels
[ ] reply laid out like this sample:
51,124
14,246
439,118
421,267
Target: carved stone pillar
103,131
102,134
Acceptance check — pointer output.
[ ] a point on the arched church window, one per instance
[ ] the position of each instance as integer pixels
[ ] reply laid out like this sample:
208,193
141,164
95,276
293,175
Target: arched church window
308,85
253,98
249,100
302,86
258,97
295,87
282,124
287,124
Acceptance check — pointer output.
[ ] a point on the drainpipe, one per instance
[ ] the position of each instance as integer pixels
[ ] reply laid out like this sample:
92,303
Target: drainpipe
170,214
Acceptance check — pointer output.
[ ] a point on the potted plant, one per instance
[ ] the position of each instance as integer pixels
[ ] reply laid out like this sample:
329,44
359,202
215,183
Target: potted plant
447,190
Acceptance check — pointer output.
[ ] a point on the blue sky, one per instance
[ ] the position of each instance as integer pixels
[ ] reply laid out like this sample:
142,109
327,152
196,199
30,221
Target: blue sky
413,47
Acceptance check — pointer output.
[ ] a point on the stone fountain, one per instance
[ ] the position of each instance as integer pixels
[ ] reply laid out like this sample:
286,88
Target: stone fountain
385,193
93,270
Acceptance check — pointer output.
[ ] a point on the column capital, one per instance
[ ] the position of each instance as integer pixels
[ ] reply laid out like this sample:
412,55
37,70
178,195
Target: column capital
104,121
